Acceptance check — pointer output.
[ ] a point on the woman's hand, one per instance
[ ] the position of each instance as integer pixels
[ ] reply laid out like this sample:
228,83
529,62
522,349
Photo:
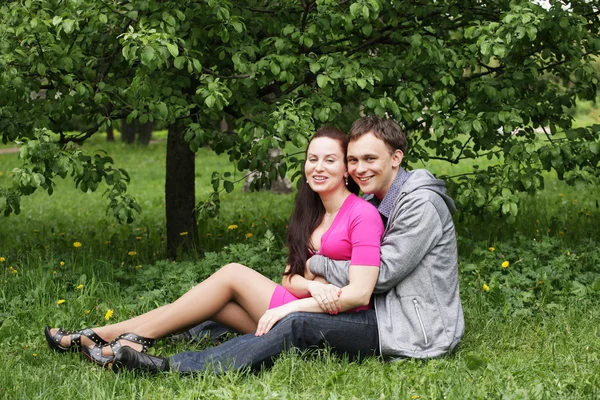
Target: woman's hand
270,318
326,295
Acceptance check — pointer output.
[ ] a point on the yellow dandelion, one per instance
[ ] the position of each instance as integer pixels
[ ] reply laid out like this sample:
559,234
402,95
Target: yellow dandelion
109,314
138,266
485,288
492,249
54,272
77,245
132,253
249,235
13,270
60,301
2,259
35,354
138,238
232,227
183,233
62,263
505,264
87,312
80,286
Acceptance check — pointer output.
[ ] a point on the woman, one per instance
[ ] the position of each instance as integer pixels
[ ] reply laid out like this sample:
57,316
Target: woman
328,219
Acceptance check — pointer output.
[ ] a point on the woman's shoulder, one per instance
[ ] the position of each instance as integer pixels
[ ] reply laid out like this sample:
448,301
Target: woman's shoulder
360,206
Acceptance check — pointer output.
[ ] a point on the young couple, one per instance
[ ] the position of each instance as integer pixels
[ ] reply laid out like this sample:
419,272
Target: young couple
364,279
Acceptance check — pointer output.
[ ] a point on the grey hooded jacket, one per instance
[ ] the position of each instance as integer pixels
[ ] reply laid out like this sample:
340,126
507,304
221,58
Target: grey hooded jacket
419,313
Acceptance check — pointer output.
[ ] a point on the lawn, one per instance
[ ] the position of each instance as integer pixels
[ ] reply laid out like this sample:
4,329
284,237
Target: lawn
530,292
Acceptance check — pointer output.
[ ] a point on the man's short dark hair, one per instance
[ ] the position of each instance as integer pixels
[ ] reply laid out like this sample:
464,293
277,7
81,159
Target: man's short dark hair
384,129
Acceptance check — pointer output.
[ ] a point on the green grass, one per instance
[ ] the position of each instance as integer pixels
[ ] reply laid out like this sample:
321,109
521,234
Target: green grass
534,334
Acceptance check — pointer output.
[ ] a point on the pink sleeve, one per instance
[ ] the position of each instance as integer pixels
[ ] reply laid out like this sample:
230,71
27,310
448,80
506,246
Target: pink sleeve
366,230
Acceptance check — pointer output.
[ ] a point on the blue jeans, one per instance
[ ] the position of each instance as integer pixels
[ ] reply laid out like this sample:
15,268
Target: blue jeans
353,334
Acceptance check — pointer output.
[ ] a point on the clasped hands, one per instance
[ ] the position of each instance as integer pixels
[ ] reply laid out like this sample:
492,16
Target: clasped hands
326,295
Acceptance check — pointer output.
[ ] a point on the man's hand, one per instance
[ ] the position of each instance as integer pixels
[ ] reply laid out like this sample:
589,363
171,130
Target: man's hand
326,295
270,318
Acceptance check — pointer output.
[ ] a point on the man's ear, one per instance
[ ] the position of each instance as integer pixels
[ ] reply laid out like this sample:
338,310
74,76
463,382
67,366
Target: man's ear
397,158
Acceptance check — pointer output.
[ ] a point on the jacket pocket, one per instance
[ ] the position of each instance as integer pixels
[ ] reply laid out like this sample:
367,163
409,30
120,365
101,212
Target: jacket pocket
420,319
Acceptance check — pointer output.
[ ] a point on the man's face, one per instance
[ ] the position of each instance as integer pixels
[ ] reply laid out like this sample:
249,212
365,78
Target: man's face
371,164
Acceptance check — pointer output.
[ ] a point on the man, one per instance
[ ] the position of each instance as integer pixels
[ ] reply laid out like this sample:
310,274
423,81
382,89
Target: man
417,310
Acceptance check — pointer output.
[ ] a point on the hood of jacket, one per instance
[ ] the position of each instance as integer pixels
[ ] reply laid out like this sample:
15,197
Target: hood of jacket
423,179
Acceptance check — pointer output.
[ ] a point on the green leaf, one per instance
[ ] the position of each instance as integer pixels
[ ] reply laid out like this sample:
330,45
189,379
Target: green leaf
367,29
162,110
41,69
210,101
102,18
237,26
228,185
148,55
179,62
68,25
322,80
197,65
274,68
173,49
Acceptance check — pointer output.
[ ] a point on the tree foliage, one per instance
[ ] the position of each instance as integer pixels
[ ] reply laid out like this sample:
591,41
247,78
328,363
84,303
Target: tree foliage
468,79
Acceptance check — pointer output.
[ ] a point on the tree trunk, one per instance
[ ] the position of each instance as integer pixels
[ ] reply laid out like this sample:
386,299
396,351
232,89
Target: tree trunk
128,131
110,134
145,133
180,195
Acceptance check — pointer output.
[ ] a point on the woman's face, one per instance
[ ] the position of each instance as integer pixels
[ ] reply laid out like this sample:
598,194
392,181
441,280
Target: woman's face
325,168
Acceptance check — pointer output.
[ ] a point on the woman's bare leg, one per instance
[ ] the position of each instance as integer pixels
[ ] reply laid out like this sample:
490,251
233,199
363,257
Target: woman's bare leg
234,316
234,295
234,283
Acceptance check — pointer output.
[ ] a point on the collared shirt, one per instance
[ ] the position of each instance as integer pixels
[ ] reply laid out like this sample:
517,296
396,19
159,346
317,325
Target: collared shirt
385,206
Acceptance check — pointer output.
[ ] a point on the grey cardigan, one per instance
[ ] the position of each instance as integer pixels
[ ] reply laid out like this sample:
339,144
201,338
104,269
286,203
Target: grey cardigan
417,303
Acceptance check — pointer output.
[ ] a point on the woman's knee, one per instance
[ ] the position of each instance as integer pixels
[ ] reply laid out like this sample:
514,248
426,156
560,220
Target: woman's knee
232,269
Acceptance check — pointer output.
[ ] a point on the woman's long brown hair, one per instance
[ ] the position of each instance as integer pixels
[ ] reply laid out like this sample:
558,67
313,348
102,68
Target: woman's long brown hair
309,211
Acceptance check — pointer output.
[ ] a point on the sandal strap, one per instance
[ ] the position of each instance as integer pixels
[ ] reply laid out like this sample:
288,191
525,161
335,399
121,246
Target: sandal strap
132,337
90,334
60,334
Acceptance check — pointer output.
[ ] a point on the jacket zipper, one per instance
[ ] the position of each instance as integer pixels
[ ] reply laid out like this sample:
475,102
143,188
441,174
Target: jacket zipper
420,320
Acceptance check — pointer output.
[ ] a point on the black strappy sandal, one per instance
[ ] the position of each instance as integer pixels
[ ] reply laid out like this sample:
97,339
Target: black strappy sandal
54,340
95,353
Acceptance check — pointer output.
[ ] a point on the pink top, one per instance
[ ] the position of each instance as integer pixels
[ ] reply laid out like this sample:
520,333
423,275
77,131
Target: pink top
355,234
